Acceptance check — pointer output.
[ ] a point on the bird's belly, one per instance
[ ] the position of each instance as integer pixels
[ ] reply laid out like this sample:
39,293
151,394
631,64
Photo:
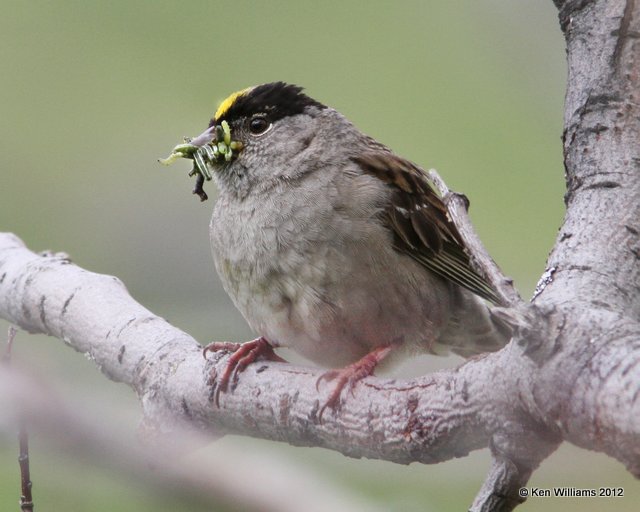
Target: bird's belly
333,303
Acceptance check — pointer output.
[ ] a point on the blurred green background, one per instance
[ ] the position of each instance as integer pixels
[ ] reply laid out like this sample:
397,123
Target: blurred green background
94,92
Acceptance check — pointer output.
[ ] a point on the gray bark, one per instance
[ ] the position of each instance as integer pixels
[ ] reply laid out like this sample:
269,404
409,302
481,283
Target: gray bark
571,372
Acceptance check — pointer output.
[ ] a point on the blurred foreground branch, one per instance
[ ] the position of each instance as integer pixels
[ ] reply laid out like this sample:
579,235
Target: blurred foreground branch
233,480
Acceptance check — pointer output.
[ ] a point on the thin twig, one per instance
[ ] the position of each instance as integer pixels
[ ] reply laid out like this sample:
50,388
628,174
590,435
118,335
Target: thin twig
26,499
457,207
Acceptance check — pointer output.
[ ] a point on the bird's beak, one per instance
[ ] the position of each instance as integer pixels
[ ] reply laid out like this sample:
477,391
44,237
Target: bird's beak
206,137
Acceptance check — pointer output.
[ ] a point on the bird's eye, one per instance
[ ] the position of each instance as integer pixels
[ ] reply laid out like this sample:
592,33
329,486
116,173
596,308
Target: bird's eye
259,125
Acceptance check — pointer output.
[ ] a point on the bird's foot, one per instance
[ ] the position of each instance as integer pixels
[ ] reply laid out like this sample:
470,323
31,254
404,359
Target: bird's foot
242,355
350,375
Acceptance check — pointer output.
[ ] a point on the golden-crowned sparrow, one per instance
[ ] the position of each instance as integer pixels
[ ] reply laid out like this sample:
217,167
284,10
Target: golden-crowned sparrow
329,243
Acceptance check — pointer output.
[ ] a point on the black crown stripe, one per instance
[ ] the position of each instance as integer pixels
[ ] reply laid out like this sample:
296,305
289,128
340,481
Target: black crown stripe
276,100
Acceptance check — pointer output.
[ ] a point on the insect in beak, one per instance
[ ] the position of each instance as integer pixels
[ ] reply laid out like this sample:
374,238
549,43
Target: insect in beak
212,147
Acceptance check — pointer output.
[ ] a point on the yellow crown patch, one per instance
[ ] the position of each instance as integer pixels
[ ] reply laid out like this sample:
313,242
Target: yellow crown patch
228,102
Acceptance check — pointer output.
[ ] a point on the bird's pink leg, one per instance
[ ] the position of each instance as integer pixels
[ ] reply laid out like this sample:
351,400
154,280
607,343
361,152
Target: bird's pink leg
243,354
350,375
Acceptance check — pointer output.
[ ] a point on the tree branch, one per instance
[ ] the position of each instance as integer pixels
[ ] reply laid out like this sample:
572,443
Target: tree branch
501,487
95,315
594,293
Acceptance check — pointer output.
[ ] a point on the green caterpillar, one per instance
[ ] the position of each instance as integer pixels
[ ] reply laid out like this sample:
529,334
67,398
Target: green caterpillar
212,147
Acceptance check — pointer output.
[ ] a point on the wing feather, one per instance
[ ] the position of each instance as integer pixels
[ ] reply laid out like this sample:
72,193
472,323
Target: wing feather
420,224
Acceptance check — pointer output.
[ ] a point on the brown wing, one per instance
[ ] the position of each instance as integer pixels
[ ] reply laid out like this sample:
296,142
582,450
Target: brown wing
420,224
